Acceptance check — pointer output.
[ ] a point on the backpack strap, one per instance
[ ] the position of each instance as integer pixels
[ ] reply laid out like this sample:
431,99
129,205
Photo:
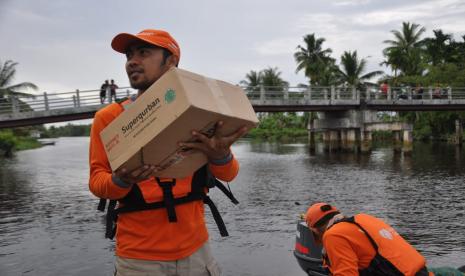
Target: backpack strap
352,220
226,191
168,197
216,216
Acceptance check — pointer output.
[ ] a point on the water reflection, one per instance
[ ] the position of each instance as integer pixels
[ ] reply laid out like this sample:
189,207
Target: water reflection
48,217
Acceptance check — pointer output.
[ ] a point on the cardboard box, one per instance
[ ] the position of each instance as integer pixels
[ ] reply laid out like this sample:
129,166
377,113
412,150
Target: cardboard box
149,130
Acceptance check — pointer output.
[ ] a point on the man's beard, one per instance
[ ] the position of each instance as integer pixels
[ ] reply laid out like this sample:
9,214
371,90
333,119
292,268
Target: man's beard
141,85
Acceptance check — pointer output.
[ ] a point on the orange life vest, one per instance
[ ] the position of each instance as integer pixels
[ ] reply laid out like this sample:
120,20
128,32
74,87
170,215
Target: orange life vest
393,254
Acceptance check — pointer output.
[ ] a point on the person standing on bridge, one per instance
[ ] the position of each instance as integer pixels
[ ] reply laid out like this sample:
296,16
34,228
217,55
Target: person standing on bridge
384,88
113,88
149,242
103,91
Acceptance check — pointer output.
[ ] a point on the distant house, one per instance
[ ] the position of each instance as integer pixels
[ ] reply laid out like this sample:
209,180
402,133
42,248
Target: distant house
35,134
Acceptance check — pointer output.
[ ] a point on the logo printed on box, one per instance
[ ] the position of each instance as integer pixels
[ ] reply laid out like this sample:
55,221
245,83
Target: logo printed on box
112,142
170,95
151,107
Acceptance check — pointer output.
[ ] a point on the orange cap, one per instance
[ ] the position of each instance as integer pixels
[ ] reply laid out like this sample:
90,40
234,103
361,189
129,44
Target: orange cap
318,211
159,38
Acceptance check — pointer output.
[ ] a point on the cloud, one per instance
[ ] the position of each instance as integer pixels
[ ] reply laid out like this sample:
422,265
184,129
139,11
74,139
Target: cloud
67,42
424,11
351,2
279,46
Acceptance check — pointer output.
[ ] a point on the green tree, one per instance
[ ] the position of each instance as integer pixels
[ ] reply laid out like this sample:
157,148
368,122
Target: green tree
404,52
252,81
352,69
313,59
271,79
438,49
393,59
7,89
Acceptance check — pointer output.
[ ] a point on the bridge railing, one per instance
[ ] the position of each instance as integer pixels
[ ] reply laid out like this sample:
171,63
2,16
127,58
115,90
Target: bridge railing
53,101
413,93
258,94
267,93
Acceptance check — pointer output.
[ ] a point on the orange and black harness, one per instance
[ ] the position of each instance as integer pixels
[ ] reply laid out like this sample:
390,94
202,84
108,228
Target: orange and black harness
202,180
379,266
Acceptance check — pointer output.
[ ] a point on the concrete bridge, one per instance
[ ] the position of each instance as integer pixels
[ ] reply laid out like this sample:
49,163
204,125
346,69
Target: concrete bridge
75,105
346,115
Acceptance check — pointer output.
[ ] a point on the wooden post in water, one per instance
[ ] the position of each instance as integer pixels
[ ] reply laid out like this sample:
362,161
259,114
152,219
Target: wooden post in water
407,146
344,144
352,140
327,141
458,132
334,140
366,141
311,135
397,141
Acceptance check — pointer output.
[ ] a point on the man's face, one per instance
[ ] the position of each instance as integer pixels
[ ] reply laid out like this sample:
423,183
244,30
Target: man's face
144,65
317,234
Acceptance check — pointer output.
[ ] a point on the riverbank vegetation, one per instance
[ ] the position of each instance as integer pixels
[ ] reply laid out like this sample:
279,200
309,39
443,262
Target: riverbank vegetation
280,126
10,142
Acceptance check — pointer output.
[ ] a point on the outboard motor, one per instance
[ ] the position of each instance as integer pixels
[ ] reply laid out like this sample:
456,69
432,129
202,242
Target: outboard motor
307,252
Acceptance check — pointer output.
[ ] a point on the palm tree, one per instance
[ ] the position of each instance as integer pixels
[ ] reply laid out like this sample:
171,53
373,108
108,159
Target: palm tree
393,59
252,81
271,78
312,58
352,68
406,49
438,48
7,89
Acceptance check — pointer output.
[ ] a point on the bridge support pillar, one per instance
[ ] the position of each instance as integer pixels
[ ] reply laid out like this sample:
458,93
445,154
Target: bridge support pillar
332,140
407,146
344,142
458,132
326,141
397,141
366,141
335,140
353,139
311,136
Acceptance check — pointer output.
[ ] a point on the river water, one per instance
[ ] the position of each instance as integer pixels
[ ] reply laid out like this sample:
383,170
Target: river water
49,224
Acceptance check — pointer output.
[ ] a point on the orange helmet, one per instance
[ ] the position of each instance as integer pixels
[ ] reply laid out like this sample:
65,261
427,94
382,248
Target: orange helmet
317,212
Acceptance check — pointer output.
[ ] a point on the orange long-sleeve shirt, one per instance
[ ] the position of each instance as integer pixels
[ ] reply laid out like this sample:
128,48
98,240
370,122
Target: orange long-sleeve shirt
349,249
147,234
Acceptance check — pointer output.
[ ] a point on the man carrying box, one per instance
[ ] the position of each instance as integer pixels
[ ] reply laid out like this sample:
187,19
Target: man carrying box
150,242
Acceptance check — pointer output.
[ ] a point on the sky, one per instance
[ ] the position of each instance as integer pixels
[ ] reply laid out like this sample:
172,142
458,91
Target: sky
63,45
